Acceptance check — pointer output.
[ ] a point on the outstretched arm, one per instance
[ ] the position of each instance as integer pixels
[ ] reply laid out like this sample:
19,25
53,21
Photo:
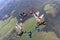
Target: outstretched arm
41,16
34,15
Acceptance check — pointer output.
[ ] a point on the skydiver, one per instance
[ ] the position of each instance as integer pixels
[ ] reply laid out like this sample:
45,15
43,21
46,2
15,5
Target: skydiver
38,24
21,33
31,11
23,15
30,34
36,15
41,23
20,25
37,28
38,18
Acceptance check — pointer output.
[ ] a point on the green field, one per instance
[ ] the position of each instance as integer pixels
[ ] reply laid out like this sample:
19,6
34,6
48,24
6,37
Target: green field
7,26
29,25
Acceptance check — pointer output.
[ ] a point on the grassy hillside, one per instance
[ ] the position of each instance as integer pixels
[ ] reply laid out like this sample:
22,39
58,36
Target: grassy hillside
6,29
